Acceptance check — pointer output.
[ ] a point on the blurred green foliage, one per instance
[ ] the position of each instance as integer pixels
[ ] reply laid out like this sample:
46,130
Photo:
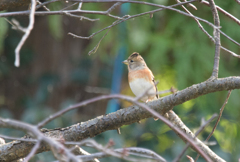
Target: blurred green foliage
3,31
175,49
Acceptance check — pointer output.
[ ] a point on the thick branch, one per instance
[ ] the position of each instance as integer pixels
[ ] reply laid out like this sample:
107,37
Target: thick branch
126,116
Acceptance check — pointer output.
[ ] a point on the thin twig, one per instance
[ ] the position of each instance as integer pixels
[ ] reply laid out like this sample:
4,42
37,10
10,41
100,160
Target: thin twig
25,36
41,13
216,34
220,114
105,150
232,53
33,151
199,24
113,7
190,158
45,3
202,127
18,139
79,151
224,12
79,17
69,6
80,6
191,5
127,17
94,50
47,9
15,25
218,119
44,13
209,36
138,151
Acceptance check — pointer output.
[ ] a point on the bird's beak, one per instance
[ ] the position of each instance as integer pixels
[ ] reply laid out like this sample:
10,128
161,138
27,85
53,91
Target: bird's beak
125,62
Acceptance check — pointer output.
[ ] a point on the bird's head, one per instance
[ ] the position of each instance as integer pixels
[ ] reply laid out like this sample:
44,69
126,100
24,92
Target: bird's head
135,61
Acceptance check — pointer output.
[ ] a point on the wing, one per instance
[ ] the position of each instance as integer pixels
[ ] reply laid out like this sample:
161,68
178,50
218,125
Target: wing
155,87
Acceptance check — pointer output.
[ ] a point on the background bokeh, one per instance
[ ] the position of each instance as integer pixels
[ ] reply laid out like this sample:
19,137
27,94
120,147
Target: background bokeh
56,71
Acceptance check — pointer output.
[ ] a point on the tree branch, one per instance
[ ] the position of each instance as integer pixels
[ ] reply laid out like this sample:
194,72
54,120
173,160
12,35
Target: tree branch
216,34
27,32
127,116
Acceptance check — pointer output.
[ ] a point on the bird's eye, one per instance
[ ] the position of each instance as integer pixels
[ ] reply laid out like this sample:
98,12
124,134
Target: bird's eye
131,60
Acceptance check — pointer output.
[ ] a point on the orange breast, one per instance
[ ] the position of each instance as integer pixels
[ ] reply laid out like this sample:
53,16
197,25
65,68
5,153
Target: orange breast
143,73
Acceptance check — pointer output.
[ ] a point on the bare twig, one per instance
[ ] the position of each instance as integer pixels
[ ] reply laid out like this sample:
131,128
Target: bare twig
137,151
190,158
79,17
25,36
113,7
79,151
216,34
44,13
105,150
232,53
47,9
199,24
191,5
33,151
94,50
80,6
45,3
69,6
39,13
15,25
16,138
7,123
220,114
209,36
127,17
140,152
202,127
223,11
92,35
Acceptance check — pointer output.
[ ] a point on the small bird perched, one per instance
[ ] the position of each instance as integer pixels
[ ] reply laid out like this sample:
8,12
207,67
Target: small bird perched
141,78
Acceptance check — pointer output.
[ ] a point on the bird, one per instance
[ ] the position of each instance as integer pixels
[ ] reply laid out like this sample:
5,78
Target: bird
140,78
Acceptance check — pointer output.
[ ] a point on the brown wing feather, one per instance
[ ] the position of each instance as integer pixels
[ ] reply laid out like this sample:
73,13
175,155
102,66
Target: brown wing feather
156,88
